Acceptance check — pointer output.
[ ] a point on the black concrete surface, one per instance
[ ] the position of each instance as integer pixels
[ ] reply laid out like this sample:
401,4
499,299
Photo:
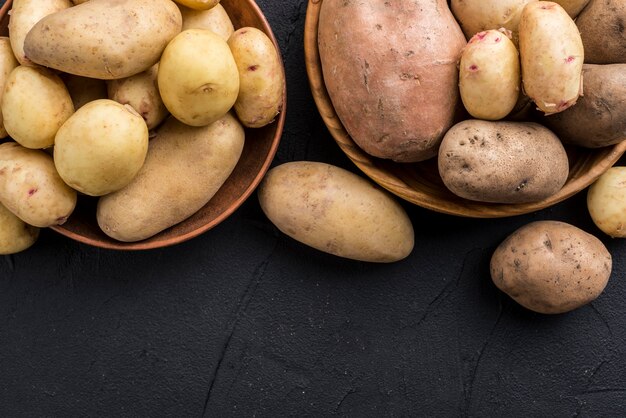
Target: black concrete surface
245,322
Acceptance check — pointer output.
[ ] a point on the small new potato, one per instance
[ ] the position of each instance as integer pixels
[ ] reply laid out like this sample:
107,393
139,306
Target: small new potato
606,201
7,65
215,19
261,78
336,211
15,234
31,188
551,267
101,147
84,89
34,105
198,77
502,162
199,4
601,26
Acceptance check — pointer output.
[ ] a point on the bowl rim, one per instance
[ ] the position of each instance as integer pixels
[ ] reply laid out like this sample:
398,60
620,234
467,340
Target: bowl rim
368,164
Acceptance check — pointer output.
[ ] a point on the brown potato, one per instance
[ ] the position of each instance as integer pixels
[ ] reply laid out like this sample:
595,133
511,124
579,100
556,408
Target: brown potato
551,267
602,28
215,19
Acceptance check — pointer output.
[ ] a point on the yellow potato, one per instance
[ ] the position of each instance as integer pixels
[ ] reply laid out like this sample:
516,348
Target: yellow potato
572,7
199,4
84,89
101,147
215,19
24,15
15,234
198,77
184,169
336,211
34,105
105,39
261,77
31,188
7,64
606,201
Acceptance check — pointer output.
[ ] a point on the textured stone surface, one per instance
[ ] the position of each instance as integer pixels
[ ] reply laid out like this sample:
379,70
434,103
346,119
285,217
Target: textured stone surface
243,321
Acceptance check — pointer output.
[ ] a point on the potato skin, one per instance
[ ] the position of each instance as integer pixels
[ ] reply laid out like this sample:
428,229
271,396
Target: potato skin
31,188
601,27
131,28
606,202
336,211
552,56
261,77
383,65
599,117
215,19
572,7
551,267
7,65
15,234
502,162
199,4
184,169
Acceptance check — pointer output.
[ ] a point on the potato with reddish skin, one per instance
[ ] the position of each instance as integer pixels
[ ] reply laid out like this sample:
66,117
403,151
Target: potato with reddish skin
391,72
15,234
31,188
606,201
84,89
7,64
215,19
551,267
552,56
602,28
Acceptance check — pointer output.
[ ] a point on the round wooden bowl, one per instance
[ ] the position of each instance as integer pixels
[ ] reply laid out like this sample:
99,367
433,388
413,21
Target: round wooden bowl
419,183
258,153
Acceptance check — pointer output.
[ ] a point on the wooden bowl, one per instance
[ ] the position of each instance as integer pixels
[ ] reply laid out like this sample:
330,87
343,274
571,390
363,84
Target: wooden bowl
419,183
258,153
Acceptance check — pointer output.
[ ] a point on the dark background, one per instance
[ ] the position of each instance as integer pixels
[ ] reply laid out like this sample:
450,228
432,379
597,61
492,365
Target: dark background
244,321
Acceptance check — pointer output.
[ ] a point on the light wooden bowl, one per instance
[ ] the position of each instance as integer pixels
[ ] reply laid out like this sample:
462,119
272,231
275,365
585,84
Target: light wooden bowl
258,153
419,183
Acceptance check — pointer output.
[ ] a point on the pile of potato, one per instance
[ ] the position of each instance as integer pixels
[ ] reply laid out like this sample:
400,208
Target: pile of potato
141,103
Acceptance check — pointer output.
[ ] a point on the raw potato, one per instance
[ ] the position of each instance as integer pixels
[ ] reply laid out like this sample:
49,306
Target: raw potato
601,27
24,15
552,56
383,64
199,4
336,211
142,93
77,2
123,37
502,162
15,234
7,65
101,147
551,267
83,89
599,117
606,201
489,75
215,19
481,15
31,188
572,7
184,169
34,105
198,77
261,78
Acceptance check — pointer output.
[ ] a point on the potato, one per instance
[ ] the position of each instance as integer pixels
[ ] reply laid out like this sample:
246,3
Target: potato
215,19
7,64
142,93
15,234
502,162
34,105
261,77
77,2
101,147
336,211
606,201
184,169
481,15
84,89
552,56
572,7
105,39
383,65
31,188
489,75
198,77
24,15
199,4
551,267
601,26
599,117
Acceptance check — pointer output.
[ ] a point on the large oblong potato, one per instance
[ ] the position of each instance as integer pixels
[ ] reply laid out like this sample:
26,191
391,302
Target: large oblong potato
15,234
502,162
31,188
336,211
7,65
184,169
34,105
105,39
551,267
215,19
602,28
261,77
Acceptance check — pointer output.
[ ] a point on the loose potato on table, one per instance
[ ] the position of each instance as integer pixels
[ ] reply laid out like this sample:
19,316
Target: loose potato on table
7,65
335,211
602,28
502,162
551,267
606,201
15,234
215,19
